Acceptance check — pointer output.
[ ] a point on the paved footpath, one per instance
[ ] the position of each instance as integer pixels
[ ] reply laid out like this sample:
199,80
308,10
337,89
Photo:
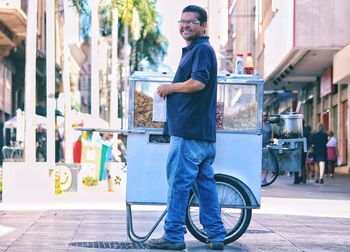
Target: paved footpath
306,217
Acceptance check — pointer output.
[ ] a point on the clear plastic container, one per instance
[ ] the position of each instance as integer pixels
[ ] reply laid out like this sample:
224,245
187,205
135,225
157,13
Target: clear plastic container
239,69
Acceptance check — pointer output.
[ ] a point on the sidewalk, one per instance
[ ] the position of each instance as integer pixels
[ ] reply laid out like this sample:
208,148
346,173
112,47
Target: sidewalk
308,217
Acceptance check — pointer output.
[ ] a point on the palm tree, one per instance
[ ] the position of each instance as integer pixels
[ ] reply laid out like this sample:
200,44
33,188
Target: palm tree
129,10
140,51
138,16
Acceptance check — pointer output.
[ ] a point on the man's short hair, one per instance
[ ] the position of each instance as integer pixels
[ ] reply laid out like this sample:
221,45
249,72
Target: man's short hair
201,13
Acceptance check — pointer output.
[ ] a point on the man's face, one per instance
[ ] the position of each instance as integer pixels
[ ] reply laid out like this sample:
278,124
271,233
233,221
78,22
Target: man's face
191,30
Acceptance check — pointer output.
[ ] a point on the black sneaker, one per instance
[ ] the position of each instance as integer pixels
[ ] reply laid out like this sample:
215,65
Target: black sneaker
321,181
216,245
163,243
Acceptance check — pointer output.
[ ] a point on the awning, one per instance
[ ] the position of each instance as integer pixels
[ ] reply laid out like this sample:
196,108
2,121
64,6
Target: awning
341,62
12,123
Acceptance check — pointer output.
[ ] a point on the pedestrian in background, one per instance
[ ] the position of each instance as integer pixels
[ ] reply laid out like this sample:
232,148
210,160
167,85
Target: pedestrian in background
332,153
310,164
319,141
58,147
191,123
301,177
41,144
267,135
309,159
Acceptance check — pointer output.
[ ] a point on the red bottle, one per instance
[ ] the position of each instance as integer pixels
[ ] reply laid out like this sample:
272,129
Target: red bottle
248,66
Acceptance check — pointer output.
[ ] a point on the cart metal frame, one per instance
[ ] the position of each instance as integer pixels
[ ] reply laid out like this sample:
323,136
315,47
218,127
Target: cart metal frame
237,165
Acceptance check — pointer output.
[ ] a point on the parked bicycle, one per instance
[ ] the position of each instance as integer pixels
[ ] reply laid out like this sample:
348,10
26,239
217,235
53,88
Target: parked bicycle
270,168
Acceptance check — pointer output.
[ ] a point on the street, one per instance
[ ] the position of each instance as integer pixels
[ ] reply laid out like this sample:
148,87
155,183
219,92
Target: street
79,118
308,217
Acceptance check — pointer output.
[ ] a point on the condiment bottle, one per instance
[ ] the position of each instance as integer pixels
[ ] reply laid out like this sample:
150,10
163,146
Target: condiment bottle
248,66
239,64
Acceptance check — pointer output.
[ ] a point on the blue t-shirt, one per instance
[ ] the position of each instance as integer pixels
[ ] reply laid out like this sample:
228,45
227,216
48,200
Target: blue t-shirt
193,115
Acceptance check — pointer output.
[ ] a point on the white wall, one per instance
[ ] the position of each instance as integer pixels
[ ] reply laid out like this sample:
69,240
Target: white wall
341,63
278,36
322,23
218,24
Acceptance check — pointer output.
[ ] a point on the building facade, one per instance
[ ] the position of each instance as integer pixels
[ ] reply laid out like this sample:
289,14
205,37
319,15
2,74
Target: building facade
242,17
13,24
302,49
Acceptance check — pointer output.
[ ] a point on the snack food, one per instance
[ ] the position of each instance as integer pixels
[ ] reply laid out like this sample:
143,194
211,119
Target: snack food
143,110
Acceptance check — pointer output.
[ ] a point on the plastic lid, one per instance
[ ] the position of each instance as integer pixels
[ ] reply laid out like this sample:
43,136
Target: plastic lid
249,54
239,54
292,116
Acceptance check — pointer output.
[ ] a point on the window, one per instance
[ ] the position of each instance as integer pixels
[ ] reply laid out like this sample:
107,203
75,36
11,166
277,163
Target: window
237,107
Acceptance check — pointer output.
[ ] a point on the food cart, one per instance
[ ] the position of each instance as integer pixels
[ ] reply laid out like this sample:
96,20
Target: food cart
238,153
284,154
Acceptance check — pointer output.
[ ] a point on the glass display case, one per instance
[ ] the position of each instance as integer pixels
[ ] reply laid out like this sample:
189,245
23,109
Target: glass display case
237,102
236,107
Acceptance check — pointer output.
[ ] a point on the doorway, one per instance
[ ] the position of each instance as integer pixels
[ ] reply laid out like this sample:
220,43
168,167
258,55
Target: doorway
325,119
345,133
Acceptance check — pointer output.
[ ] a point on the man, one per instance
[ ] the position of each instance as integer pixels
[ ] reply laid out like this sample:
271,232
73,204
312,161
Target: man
266,133
266,129
297,178
191,123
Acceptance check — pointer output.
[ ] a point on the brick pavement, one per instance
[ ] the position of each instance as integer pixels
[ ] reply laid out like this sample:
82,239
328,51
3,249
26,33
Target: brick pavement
308,217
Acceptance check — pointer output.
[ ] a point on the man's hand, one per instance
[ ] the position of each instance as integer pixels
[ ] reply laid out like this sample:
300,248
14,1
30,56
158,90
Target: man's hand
189,86
164,90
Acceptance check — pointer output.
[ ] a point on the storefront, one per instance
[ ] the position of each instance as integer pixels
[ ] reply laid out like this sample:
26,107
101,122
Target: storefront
5,101
341,78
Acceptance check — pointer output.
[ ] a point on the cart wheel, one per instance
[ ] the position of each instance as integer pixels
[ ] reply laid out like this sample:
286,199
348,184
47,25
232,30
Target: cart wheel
235,217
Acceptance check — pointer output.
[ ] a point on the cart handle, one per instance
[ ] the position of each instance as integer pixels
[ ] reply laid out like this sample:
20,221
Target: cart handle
131,234
118,131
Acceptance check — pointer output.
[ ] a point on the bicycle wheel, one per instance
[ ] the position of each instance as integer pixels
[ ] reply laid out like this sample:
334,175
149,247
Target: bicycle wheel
235,217
268,176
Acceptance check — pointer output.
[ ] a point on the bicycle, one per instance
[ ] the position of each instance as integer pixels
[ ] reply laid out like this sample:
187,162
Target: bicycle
270,168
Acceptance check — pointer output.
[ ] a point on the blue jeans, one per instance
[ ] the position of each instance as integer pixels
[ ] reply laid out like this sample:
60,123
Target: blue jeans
189,165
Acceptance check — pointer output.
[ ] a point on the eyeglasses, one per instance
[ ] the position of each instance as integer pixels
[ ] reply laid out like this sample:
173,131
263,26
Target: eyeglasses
188,22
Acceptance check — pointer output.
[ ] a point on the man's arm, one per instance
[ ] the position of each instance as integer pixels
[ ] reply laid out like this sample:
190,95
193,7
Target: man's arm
189,86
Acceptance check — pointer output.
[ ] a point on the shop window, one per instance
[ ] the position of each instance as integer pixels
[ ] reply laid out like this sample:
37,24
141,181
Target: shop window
334,89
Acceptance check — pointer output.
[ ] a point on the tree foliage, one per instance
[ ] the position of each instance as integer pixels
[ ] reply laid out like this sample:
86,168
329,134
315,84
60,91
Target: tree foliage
150,46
